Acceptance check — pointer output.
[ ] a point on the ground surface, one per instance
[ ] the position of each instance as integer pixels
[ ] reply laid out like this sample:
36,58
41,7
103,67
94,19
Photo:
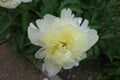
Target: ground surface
13,68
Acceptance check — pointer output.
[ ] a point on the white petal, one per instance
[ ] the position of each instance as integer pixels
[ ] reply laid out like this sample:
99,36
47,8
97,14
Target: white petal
68,66
34,35
49,17
41,24
46,22
92,37
10,4
84,24
67,56
33,26
83,56
79,20
26,1
67,14
75,63
50,68
40,53
45,79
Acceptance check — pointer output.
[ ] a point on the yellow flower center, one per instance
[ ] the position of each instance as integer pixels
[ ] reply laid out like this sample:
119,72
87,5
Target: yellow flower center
64,44
63,41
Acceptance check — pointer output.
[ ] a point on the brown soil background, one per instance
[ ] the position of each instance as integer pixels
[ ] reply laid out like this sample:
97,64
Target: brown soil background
13,68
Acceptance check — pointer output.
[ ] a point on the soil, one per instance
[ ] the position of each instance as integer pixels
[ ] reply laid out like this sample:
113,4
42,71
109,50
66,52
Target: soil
13,68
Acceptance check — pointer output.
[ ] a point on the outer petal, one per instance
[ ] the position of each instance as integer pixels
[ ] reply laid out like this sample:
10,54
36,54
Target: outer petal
34,35
92,37
83,56
84,25
49,18
26,1
75,63
10,4
45,79
40,53
67,14
50,68
44,23
79,20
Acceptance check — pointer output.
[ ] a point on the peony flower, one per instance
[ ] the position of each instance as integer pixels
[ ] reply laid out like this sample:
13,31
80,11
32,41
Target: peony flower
12,3
64,40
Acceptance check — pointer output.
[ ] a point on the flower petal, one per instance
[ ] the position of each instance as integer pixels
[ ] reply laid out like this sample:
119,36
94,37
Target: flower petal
40,53
34,35
25,1
84,24
44,23
79,20
45,79
50,68
75,63
92,37
10,4
83,56
67,14
41,24
49,17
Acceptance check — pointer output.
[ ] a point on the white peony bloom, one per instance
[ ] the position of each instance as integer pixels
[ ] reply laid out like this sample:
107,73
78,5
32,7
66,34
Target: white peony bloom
64,40
12,3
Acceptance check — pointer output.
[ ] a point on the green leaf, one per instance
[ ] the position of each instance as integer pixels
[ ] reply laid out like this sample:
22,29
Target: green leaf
35,2
21,42
4,34
66,2
90,78
96,50
90,52
75,8
49,6
31,49
26,18
5,23
107,36
6,20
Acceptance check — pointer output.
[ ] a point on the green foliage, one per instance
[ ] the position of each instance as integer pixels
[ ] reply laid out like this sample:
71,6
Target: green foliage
112,71
98,77
104,16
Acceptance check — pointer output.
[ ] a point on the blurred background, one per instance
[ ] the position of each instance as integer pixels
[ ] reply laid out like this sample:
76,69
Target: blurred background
103,59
